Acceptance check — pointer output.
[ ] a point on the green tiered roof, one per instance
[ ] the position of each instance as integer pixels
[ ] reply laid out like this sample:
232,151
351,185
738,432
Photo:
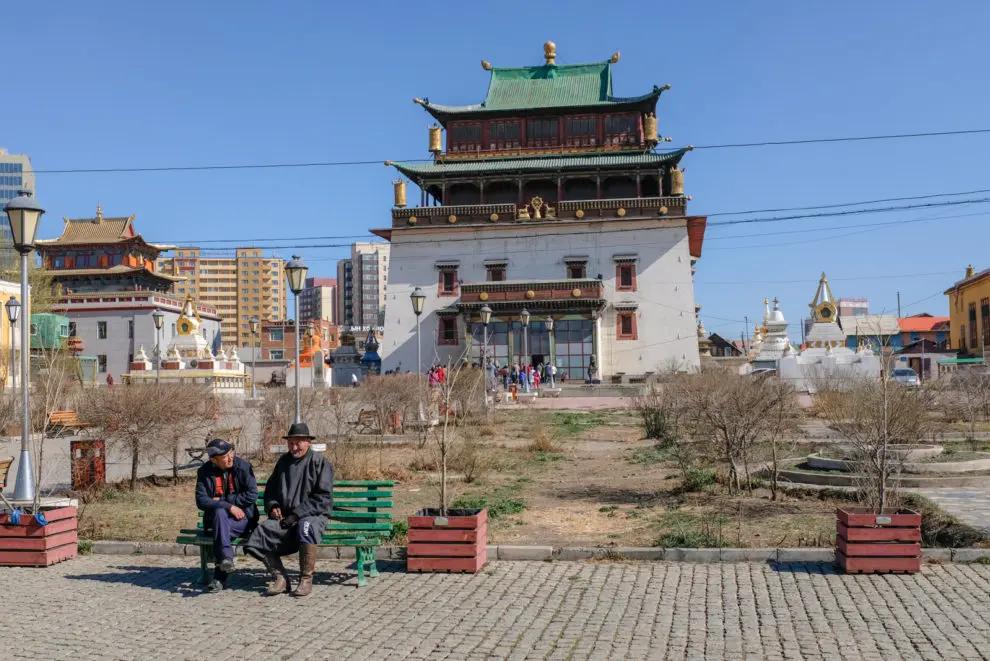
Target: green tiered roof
546,86
418,171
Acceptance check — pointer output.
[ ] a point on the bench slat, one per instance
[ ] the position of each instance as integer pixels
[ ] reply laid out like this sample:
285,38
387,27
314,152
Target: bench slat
380,504
364,483
360,515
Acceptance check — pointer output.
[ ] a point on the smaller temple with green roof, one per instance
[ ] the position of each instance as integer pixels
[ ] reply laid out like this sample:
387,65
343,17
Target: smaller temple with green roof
548,200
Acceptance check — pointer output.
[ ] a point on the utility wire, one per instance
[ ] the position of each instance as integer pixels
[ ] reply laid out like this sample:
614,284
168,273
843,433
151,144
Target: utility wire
849,204
320,164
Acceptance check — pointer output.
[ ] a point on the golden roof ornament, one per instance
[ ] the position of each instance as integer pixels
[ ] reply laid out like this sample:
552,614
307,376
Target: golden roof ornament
486,65
99,213
399,193
550,53
436,145
615,57
823,308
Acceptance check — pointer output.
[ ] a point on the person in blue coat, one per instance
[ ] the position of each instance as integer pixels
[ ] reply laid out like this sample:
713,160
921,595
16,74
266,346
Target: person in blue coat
226,490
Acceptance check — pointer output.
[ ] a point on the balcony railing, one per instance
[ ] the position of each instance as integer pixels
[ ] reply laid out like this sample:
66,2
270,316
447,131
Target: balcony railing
476,214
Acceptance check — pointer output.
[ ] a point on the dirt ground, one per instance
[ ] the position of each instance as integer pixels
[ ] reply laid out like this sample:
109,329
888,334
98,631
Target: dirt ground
589,479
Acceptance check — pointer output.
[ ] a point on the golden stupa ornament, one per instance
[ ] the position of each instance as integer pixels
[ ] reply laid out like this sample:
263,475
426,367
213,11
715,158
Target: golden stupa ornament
550,53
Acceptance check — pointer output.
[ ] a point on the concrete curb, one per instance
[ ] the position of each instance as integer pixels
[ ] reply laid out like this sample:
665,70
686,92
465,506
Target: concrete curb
548,553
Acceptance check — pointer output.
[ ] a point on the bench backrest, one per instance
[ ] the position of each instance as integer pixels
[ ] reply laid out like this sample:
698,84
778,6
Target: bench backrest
64,416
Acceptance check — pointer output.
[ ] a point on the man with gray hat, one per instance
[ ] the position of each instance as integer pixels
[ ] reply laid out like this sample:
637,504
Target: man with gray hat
298,498
225,490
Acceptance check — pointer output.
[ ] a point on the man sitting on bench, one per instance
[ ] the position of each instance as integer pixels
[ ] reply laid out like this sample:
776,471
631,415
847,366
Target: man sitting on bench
298,499
225,490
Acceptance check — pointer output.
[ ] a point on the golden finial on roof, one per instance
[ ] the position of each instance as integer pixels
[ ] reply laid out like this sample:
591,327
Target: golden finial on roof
486,65
615,57
99,213
550,52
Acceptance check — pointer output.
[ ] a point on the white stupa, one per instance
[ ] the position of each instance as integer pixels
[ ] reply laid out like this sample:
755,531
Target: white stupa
774,343
825,355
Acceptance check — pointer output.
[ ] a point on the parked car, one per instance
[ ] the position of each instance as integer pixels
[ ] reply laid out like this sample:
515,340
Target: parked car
906,377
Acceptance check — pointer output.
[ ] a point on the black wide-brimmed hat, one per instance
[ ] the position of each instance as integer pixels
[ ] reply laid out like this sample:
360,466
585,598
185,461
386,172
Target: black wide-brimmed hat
299,430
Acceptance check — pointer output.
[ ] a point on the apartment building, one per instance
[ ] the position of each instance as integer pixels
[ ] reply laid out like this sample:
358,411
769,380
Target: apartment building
319,300
239,288
361,283
16,175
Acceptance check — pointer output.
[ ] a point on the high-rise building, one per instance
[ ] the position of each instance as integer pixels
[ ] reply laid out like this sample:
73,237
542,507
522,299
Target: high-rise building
239,288
16,175
361,283
319,300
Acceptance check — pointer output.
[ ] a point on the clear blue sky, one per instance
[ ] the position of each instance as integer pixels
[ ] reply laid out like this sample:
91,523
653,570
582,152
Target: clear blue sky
112,83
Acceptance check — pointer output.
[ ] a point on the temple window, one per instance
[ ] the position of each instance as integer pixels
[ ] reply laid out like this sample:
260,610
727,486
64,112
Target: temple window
101,363
625,326
447,330
625,276
464,136
448,281
101,330
577,269
581,131
504,134
496,272
621,130
542,132
58,262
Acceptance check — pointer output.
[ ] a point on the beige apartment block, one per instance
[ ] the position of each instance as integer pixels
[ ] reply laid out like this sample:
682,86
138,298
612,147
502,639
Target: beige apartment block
240,287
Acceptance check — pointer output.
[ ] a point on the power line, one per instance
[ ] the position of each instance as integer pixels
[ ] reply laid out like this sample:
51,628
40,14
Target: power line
852,212
321,164
839,227
849,204
859,138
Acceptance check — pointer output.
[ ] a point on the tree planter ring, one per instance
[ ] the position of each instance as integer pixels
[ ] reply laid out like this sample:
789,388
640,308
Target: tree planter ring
869,543
457,542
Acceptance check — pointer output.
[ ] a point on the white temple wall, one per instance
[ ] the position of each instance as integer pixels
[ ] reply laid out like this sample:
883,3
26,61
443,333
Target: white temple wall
664,293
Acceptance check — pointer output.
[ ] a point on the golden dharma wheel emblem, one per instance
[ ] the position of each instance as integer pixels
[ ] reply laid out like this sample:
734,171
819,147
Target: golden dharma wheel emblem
579,213
493,217
483,296
620,212
412,220
451,219
530,294
575,292
662,211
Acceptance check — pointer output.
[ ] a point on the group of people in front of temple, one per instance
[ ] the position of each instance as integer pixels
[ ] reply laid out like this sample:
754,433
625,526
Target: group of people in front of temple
297,500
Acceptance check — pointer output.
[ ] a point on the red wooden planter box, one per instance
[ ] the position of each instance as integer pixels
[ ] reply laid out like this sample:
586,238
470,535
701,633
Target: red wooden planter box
28,544
455,543
869,543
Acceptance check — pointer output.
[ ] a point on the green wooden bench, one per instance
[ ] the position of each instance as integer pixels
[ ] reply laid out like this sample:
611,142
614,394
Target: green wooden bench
361,519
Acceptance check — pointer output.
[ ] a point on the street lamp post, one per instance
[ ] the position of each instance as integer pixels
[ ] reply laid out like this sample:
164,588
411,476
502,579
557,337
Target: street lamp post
13,311
295,274
486,317
253,323
418,298
24,213
549,324
524,320
159,318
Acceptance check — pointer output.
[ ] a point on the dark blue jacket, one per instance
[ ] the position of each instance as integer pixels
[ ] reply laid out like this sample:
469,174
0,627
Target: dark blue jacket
216,489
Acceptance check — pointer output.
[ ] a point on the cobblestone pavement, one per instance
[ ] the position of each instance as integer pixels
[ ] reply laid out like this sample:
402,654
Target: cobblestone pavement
971,505
146,607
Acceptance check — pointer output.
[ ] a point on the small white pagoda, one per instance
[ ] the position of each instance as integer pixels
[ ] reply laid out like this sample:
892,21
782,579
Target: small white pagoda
190,360
825,355
774,343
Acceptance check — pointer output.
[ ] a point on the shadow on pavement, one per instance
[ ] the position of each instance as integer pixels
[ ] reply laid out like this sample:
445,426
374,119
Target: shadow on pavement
823,568
185,580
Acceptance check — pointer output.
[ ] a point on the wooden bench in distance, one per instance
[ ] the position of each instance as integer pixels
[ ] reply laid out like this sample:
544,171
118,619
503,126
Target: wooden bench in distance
59,421
4,469
361,518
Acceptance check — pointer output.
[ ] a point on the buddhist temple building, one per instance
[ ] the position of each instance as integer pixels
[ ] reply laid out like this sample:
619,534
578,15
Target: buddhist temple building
106,283
549,198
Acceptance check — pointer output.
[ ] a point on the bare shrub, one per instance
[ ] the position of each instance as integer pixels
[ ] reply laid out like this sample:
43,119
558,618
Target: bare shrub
730,414
542,441
658,411
965,396
471,458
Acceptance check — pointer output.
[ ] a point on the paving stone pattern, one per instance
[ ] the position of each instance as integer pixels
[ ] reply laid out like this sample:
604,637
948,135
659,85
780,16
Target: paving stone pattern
970,505
148,608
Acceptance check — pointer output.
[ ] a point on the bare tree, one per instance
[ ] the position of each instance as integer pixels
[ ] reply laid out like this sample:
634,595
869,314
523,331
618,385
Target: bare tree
391,398
873,415
141,417
966,396
658,410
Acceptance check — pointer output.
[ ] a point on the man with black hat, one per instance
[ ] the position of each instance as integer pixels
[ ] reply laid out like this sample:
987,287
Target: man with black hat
298,498
225,490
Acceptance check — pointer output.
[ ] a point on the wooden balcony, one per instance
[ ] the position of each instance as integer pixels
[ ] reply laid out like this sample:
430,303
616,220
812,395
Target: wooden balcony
484,214
535,295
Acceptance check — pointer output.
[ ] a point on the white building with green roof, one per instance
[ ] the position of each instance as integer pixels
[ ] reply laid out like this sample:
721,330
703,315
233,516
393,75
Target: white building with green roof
549,199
